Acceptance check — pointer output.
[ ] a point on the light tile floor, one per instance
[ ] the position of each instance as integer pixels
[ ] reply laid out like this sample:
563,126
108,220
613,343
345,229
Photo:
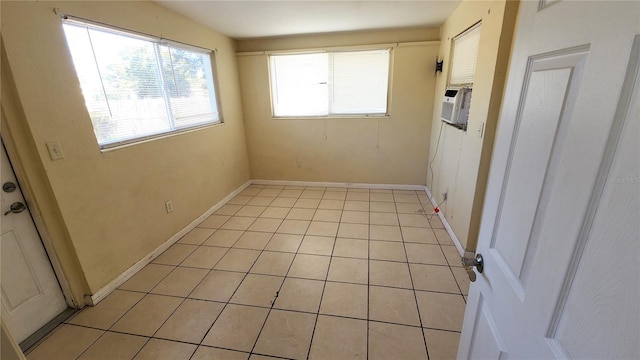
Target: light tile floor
289,272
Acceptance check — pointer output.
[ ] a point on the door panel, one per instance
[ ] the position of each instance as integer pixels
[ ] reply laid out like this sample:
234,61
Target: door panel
560,229
31,295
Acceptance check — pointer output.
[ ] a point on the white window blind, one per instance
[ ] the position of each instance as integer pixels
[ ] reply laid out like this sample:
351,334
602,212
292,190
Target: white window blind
136,87
333,83
464,55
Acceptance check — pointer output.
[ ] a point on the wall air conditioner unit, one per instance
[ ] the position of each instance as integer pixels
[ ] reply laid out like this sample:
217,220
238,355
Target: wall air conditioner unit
455,107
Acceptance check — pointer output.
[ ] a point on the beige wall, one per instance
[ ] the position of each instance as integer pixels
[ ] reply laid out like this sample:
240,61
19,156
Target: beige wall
111,204
389,150
462,160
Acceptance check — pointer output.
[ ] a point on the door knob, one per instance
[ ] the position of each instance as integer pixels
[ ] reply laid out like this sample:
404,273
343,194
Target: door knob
16,207
469,263
9,187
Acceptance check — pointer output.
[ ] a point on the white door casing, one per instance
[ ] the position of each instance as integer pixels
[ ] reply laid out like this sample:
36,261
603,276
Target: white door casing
560,232
31,294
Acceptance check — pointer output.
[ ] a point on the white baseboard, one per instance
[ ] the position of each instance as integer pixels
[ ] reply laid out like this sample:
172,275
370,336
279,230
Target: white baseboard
336,184
447,227
115,283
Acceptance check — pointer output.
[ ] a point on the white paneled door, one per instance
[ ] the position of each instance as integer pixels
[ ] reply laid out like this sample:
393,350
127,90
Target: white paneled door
31,295
560,233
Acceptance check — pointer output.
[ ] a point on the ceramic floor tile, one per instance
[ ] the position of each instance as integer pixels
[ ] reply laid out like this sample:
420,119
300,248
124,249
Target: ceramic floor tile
433,278
228,209
351,248
238,223
191,321
312,194
414,220
108,311
349,270
114,346
313,267
175,254
331,204
214,221
250,191
334,195
322,228
66,342
316,245
300,295
355,217
381,218
273,212
240,200
387,273
218,286
358,196
265,225
353,205
307,203
297,227
452,255
273,263
339,338
443,237
257,290
425,254
387,250
270,192
390,341
146,317
413,198
283,202
290,193
419,235
442,345
436,223
385,207
250,210
381,197
180,282
286,334
253,240
284,242
301,214
163,349
348,300
412,208
205,257
196,236
385,232
462,278
147,278
353,231
236,328
261,201
327,215
238,260
393,305
441,311
224,238
209,353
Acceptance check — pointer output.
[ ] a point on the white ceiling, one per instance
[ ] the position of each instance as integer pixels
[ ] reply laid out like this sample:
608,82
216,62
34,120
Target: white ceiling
250,19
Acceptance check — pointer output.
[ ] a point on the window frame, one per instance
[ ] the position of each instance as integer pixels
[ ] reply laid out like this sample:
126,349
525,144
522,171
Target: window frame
156,41
386,114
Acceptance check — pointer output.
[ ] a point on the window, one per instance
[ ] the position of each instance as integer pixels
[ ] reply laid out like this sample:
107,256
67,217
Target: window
330,83
464,55
136,87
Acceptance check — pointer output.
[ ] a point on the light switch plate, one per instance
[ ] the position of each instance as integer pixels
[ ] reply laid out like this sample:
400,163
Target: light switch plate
55,150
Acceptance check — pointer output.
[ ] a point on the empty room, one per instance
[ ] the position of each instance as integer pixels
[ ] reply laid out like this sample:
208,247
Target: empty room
320,179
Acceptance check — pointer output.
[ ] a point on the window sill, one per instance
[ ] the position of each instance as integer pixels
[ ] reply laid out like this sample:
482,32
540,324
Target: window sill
146,139
355,116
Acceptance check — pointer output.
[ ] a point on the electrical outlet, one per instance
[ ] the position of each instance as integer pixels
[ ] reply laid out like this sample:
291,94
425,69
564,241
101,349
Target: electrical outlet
299,163
169,206
55,150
